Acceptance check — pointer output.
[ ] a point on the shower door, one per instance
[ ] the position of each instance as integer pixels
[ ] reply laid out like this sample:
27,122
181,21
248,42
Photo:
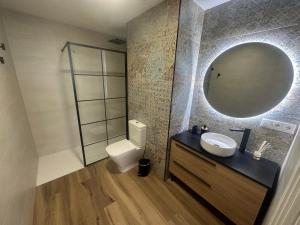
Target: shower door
99,82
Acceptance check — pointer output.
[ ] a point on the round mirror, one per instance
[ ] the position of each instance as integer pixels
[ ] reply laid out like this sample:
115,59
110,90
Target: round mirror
248,80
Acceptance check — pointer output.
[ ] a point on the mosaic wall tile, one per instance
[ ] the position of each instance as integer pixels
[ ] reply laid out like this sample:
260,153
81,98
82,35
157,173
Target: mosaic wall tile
151,55
239,21
149,26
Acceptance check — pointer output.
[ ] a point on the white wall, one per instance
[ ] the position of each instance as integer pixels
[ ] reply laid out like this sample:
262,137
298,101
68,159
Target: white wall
18,157
285,194
44,81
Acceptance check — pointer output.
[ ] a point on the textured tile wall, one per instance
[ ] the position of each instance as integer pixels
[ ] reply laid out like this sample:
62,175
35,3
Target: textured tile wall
188,44
18,157
151,43
272,21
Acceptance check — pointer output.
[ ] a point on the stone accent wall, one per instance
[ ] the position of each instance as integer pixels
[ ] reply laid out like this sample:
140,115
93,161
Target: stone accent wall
151,44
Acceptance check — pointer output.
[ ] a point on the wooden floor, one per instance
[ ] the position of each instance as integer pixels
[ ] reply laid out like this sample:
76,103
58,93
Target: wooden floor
99,195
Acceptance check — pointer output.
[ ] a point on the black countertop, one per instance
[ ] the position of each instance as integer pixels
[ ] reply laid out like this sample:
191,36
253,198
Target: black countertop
262,171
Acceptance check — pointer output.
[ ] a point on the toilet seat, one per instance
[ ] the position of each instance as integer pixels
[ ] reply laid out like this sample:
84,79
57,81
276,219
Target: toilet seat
120,147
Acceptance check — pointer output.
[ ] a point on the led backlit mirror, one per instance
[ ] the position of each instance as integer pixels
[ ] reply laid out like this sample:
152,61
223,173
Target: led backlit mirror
248,80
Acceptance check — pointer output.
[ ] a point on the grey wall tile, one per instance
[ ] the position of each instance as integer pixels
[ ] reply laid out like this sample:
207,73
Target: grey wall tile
191,19
238,17
188,44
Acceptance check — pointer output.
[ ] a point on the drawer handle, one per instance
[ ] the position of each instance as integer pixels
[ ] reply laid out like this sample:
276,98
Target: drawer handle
194,175
203,159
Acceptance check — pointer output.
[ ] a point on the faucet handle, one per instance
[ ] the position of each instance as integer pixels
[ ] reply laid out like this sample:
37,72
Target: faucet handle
237,130
246,134
240,130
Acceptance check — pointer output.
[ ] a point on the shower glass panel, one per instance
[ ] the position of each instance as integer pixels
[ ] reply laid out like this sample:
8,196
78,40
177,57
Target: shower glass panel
114,87
94,132
114,63
93,153
99,82
88,87
115,108
116,127
116,139
92,111
86,60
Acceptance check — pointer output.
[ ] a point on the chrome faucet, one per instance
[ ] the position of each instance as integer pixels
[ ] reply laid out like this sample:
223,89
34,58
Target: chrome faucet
246,134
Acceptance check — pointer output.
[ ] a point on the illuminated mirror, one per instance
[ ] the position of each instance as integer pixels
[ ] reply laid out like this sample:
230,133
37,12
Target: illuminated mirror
248,80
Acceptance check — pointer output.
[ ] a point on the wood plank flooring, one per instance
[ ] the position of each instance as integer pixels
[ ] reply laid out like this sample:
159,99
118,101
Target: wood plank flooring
100,195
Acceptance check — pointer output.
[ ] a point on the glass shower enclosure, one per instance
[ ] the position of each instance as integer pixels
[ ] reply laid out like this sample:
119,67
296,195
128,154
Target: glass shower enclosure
99,82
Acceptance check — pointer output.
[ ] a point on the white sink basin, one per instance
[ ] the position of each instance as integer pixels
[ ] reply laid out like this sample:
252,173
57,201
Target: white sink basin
218,144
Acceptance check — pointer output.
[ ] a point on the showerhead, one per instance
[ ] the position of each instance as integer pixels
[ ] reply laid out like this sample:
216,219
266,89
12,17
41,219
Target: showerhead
117,41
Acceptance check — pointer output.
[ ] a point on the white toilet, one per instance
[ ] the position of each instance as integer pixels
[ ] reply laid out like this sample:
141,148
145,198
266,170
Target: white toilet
126,153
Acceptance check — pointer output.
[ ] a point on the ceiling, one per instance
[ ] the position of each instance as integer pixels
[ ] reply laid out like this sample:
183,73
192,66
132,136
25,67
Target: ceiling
207,4
106,16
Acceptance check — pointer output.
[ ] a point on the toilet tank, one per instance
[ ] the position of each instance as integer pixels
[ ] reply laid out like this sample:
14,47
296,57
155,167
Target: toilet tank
137,133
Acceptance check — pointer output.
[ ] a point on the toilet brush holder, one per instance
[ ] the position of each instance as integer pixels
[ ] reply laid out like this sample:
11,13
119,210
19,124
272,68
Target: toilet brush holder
144,167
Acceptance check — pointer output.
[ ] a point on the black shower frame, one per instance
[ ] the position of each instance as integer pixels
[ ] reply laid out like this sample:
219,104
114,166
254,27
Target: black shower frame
73,74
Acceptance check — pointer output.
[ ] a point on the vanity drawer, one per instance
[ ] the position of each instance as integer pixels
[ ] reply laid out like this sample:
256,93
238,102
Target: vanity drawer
236,196
198,165
200,186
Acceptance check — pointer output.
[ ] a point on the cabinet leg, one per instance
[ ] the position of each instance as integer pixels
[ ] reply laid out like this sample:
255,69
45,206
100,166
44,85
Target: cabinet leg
172,177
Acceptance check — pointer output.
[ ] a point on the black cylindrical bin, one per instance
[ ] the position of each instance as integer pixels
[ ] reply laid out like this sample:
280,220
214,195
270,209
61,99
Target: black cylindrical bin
144,167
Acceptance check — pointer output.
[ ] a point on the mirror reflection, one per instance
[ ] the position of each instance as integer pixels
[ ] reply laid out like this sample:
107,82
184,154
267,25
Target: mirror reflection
248,80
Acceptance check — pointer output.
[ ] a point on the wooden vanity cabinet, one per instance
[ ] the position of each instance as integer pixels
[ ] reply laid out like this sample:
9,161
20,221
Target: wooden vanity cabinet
236,196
